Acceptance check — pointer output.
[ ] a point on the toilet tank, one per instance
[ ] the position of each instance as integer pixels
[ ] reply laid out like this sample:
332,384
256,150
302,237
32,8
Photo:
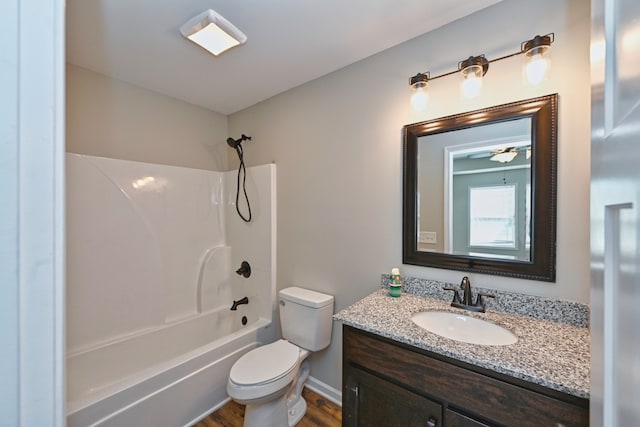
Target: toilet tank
306,317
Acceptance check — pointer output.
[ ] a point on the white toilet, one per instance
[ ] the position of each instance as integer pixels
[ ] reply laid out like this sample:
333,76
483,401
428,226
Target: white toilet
269,379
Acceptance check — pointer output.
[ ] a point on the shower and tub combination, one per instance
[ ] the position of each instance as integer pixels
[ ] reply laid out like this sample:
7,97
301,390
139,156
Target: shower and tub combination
152,257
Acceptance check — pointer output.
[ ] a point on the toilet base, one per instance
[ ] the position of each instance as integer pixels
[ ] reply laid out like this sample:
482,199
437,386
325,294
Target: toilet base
285,410
268,414
296,404
297,411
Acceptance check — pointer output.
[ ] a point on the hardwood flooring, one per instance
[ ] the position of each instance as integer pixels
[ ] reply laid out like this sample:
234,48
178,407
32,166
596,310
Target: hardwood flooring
320,413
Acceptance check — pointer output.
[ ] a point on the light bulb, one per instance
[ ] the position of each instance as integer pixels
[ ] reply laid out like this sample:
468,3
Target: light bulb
471,86
420,99
536,69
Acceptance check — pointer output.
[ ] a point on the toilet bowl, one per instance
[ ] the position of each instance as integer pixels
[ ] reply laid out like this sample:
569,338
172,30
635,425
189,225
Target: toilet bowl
269,379
266,374
265,371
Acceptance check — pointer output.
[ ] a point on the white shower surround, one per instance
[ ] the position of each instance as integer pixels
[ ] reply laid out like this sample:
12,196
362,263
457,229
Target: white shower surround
151,251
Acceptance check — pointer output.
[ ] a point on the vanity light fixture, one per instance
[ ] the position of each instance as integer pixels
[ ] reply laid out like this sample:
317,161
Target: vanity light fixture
474,68
213,32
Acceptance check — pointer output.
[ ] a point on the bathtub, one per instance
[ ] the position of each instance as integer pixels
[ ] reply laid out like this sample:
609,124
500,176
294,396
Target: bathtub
167,376
150,339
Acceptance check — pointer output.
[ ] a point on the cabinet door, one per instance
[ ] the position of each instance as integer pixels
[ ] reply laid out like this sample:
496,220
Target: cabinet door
454,419
372,401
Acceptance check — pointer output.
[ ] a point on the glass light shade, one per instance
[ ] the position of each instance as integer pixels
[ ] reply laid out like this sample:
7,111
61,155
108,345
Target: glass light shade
536,58
537,63
419,96
471,84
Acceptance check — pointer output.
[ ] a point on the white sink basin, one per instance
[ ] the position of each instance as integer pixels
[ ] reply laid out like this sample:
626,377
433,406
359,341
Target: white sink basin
463,328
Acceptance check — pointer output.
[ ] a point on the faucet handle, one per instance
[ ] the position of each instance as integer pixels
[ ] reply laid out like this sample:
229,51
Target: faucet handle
479,301
456,295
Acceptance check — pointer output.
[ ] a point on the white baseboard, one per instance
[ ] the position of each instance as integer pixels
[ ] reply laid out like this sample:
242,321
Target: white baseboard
324,390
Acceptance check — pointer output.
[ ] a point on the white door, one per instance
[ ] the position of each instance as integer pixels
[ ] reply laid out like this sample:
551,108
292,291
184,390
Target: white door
615,213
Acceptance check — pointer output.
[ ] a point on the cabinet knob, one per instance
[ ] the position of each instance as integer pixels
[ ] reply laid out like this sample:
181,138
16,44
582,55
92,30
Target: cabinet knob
559,425
432,422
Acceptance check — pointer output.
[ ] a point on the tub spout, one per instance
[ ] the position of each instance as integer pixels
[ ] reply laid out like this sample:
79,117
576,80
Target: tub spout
241,301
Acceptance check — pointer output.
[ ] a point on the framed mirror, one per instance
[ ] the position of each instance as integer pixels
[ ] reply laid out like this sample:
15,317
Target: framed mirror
479,191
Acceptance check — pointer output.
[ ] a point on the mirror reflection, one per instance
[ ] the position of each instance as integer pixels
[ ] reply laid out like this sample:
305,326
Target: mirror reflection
474,191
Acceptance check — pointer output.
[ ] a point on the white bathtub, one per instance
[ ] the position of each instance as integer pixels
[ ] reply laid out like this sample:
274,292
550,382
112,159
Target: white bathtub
151,251
169,376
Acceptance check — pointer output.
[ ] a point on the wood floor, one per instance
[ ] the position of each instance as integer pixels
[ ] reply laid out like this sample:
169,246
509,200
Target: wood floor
320,413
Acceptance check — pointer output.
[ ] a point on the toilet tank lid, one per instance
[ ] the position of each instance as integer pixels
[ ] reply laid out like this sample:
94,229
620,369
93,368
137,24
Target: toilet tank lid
306,297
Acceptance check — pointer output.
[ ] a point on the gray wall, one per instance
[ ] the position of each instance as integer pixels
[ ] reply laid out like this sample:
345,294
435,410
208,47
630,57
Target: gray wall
337,144
109,118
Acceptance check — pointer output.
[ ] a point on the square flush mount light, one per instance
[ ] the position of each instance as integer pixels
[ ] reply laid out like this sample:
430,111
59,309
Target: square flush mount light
214,33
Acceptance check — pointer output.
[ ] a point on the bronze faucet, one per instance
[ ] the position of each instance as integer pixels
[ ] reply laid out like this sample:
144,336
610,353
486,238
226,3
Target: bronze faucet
466,302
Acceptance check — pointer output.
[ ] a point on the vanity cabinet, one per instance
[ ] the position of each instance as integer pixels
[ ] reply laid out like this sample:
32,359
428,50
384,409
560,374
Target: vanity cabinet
387,383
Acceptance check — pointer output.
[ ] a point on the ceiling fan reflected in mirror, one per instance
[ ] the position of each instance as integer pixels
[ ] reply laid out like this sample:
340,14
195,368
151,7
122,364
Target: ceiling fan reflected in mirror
503,154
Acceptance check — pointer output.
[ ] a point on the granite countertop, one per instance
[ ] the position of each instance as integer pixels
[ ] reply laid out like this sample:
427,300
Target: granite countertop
548,353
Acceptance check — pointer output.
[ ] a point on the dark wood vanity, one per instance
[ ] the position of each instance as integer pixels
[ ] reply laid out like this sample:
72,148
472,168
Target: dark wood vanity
388,383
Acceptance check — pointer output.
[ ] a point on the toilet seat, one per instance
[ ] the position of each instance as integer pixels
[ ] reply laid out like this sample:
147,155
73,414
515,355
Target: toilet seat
264,370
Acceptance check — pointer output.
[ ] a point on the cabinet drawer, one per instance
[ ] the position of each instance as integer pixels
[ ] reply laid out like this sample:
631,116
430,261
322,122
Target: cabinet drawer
490,398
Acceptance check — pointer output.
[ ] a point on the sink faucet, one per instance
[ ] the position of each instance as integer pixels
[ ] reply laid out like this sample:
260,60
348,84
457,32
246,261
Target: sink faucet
466,302
241,301
465,285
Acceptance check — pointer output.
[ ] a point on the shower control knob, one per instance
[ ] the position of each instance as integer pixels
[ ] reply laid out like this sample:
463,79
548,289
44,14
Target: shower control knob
244,270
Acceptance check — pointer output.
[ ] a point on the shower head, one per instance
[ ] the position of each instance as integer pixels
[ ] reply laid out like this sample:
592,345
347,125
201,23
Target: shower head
234,143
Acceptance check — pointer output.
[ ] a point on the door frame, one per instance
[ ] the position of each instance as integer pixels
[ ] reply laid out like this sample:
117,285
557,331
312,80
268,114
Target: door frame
32,229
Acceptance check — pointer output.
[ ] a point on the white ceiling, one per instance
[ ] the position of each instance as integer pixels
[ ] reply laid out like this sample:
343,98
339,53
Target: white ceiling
290,42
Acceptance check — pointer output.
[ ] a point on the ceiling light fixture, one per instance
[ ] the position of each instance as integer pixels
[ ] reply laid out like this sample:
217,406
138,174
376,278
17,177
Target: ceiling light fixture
214,33
474,68
504,155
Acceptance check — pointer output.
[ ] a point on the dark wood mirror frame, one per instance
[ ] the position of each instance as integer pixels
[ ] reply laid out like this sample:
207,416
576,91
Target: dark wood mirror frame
543,112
